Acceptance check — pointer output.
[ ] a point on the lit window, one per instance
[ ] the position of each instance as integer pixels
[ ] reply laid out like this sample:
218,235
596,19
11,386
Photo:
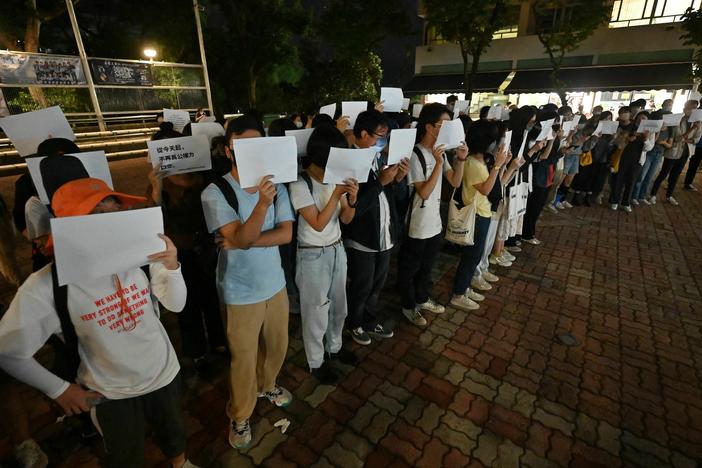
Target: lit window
640,12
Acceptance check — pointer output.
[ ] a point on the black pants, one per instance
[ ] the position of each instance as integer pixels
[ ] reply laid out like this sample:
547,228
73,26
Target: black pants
695,161
600,172
672,168
471,256
200,322
123,425
624,183
366,272
414,263
535,205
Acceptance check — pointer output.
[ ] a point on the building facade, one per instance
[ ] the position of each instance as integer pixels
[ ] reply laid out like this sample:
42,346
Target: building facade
637,54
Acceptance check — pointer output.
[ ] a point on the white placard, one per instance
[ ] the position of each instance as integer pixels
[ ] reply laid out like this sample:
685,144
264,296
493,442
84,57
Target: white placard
26,131
505,114
206,119
405,103
301,138
181,155
695,116
606,127
348,163
94,162
507,140
179,118
523,146
653,126
392,99
413,124
672,120
546,130
259,157
416,110
495,112
79,243
451,134
209,129
571,125
352,109
460,107
329,110
402,142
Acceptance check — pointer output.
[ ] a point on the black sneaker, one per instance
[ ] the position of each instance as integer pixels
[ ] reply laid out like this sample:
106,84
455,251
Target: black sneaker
344,356
360,336
380,332
325,375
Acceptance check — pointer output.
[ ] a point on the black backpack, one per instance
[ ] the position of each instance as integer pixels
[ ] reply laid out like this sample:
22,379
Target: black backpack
71,358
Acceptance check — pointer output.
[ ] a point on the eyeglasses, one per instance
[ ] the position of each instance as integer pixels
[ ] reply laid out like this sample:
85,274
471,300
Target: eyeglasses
380,135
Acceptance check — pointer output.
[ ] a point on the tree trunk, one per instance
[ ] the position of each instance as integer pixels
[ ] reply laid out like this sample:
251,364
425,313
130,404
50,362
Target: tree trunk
252,88
31,44
471,78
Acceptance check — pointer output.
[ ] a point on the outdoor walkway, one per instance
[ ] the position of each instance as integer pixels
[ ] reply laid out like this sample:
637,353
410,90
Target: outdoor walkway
496,387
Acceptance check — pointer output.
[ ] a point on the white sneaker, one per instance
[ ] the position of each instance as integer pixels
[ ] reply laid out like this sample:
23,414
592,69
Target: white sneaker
432,306
653,200
613,206
532,241
474,296
673,201
635,202
645,202
479,283
560,206
627,209
414,316
598,199
500,261
279,396
508,256
464,302
567,205
488,276
30,455
552,209
240,435
514,249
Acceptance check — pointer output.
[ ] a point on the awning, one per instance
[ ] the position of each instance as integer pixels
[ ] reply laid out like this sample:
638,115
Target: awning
605,78
425,84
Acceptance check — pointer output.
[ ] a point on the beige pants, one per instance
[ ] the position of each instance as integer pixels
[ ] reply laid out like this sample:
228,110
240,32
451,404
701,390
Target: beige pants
258,341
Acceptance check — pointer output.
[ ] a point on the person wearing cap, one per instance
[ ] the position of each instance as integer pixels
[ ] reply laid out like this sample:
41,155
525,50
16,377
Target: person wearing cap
129,373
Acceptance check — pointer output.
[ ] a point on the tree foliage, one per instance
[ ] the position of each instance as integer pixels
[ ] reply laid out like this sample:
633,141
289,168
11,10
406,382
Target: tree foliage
692,35
562,25
471,24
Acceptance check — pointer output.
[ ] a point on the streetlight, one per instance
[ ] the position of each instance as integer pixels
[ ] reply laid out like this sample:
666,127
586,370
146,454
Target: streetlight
150,53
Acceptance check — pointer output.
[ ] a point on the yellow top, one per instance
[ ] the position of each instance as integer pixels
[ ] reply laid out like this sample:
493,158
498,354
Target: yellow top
475,172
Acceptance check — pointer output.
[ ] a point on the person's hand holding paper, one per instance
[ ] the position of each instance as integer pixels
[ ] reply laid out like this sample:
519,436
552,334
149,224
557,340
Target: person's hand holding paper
258,157
392,99
451,134
352,109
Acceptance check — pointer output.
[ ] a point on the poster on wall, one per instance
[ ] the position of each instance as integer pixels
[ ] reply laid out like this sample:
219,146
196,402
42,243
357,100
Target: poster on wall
22,68
121,73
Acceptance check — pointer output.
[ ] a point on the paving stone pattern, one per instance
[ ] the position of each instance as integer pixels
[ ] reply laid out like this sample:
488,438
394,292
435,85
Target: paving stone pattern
495,387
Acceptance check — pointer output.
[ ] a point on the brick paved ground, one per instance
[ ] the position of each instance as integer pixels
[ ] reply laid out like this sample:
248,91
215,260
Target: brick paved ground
495,387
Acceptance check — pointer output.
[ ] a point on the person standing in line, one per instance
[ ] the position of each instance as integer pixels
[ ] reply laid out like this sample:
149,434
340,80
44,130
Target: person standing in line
695,160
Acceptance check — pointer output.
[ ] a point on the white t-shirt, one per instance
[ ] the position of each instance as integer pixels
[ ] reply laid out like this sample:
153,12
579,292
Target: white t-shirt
115,361
425,221
301,197
37,218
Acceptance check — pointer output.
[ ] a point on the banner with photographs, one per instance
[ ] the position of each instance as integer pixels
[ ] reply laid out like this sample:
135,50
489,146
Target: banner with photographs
21,68
113,72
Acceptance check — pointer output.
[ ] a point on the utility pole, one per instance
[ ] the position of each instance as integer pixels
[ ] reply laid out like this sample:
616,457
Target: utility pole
86,66
203,58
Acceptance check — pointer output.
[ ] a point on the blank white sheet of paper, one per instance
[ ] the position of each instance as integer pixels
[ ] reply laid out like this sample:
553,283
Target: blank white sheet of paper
329,110
451,134
546,130
495,112
672,120
405,103
302,136
99,245
401,144
348,163
653,126
179,118
352,109
259,157
461,107
392,98
27,130
209,129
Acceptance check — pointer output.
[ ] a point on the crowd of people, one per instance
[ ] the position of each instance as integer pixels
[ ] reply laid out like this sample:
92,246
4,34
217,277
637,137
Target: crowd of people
238,260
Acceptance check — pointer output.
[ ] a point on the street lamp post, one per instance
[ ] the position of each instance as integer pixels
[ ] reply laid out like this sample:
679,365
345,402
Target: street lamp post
196,8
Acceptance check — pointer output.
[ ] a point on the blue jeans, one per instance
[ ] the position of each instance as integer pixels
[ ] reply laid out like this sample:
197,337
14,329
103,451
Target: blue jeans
654,160
471,255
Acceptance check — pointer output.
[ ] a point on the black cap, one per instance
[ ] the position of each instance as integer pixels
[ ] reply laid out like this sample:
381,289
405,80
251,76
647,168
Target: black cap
56,170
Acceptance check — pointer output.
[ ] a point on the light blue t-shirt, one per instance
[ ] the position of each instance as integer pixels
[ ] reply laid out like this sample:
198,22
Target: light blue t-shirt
253,275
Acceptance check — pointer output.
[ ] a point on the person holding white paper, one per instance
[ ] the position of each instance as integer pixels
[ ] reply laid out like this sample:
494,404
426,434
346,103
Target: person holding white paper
250,225
685,135
321,258
428,166
695,160
372,233
654,158
127,370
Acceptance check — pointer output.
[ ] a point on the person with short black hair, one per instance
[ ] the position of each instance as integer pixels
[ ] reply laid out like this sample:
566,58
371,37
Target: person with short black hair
372,234
250,225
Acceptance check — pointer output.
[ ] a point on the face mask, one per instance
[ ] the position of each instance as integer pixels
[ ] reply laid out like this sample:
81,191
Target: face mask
530,125
381,143
298,124
491,149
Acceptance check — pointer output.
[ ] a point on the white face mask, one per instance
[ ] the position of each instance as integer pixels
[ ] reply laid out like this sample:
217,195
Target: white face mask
298,124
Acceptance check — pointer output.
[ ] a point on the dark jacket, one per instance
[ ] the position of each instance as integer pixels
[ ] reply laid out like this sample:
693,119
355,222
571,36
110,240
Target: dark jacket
365,227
